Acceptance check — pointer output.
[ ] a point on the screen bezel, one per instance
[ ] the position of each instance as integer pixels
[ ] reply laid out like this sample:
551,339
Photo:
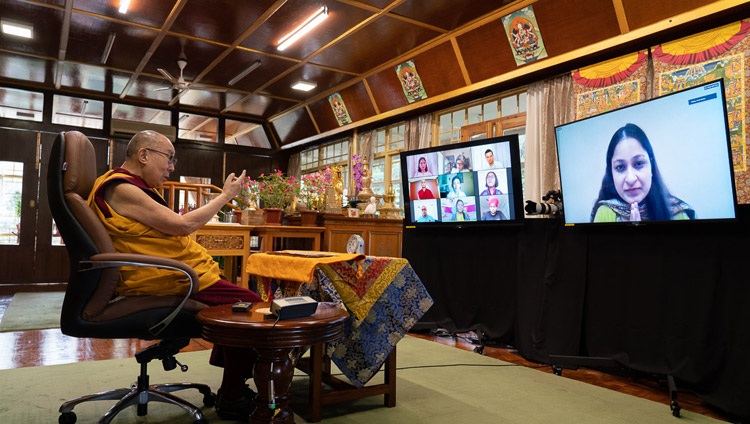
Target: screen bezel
648,106
515,188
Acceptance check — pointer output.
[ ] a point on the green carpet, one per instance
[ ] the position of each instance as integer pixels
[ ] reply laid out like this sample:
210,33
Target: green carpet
32,311
436,384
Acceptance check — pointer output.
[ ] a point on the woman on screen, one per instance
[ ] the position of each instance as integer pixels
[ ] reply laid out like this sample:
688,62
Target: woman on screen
633,189
422,169
456,190
490,181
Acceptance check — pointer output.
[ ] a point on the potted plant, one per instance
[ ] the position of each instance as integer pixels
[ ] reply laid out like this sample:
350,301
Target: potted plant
313,192
314,189
275,192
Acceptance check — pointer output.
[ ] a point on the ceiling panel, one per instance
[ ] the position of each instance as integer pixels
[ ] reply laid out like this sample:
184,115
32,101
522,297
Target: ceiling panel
45,21
392,36
239,60
341,17
219,20
460,12
325,79
263,107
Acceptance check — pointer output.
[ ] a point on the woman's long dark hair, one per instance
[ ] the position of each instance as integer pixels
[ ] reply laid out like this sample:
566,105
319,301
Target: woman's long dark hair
656,199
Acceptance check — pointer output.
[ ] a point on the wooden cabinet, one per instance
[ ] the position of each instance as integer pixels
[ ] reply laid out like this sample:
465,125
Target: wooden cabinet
382,237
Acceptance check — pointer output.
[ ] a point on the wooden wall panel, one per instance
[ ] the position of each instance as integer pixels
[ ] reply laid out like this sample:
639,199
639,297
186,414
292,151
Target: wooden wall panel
439,69
572,24
294,126
357,102
486,51
386,89
641,13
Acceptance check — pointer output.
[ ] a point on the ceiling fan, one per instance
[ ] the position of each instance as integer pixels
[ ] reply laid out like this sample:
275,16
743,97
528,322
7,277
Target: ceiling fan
179,83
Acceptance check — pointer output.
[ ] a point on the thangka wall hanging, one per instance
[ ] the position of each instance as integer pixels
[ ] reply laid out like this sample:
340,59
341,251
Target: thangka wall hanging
410,81
339,109
610,85
524,36
710,55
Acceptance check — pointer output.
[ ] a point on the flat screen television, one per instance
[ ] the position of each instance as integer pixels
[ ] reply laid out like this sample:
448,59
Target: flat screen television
472,184
609,174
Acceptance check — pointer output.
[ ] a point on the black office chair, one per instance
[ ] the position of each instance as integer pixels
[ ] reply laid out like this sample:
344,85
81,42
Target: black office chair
90,308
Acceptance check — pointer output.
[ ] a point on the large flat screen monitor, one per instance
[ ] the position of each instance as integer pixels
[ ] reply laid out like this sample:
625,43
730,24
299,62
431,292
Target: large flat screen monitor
472,184
667,159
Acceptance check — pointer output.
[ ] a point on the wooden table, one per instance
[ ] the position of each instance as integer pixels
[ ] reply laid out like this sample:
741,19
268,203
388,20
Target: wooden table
273,341
228,240
273,236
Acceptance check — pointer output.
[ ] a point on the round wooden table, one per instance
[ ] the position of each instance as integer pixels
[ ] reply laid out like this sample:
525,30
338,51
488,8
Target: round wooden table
273,341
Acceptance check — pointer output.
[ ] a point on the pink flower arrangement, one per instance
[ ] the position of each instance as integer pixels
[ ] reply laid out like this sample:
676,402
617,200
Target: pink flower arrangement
315,187
274,190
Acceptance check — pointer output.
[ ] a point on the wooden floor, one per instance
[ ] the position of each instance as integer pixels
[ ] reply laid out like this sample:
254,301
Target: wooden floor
47,347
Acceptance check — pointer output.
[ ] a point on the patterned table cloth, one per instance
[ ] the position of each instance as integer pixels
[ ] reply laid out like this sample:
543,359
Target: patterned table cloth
384,297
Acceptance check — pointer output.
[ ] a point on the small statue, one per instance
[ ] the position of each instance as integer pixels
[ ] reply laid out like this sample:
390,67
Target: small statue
372,207
338,187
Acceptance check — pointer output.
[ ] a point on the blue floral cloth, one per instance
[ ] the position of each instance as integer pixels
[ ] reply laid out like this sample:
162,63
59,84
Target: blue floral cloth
366,343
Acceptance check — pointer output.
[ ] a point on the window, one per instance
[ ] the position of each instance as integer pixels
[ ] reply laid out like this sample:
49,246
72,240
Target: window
450,122
245,134
11,180
141,114
335,153
385,168
198,127
21,104
77,112
507,105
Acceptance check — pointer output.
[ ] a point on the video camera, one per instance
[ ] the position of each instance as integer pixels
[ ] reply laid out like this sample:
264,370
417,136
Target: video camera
552,205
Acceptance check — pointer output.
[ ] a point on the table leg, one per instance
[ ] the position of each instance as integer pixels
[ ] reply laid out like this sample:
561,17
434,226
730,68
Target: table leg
276,363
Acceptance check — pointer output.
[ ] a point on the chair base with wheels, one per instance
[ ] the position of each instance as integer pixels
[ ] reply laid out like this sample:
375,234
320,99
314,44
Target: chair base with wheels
142,392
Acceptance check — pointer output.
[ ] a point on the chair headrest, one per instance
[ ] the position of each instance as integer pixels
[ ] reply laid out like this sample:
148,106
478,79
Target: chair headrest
80,164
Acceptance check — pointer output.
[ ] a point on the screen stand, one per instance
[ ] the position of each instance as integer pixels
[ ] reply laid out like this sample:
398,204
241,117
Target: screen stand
560,362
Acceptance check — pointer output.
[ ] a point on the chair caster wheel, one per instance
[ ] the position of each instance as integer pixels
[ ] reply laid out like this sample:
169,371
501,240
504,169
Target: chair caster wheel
479,349
556,370
67,418
209,400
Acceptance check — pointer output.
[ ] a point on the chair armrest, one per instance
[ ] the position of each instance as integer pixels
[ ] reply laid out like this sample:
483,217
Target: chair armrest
116,260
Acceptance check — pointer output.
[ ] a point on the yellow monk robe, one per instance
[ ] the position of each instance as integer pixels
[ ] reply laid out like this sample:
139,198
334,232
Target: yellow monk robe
130,236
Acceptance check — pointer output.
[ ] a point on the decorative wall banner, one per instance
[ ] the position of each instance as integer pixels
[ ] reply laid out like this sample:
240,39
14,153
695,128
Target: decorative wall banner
410,81
339,109
619,82
608,98
524,36
710,55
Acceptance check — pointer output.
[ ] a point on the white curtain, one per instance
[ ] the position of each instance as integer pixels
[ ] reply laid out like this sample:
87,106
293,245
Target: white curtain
418,132
425,130
294,167
550,103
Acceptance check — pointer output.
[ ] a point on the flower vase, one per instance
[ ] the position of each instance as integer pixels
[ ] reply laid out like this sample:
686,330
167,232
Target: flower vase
309,218
273,216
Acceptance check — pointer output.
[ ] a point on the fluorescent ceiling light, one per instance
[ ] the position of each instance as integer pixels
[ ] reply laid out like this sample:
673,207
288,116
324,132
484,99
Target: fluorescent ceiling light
108,47
124,4
244,73
310,23
304,85
17,29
